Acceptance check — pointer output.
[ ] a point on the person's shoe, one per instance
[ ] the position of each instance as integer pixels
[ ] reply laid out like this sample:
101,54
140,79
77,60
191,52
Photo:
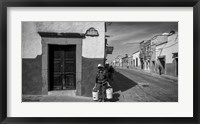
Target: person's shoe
100,100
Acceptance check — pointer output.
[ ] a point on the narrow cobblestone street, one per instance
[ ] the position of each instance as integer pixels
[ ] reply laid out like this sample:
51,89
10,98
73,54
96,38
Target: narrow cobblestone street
136,86
129,86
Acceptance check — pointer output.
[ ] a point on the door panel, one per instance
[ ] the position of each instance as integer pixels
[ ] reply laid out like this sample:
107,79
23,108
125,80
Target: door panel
70,67
69,81
57,82
57,65
62,60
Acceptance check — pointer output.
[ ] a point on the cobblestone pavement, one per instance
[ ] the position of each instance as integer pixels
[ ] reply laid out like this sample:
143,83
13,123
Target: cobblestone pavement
129,86
138,86
53,98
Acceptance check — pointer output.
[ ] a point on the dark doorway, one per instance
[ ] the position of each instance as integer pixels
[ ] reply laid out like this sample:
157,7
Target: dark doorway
136,62
142,64
162,63
176,66
153,66
62,67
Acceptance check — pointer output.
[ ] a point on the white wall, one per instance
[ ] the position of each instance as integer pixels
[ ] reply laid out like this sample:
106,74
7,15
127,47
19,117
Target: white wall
31,40
168,48
136,55
93,47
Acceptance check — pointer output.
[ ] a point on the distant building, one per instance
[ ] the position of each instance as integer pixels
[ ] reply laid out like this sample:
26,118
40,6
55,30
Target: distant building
136,59
145,54
154,42
125,61
160,54
118,61
167,55
130,62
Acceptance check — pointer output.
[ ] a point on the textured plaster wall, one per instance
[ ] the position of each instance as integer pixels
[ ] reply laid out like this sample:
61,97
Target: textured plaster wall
92,53
92,47
32,76
159,39
89,71
136,55
168,48
31,41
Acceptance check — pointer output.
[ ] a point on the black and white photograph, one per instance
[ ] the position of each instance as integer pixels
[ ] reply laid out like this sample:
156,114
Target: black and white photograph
99,61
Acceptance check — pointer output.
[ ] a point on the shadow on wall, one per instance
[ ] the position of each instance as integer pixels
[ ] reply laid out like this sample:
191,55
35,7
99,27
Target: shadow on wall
121,82
89,71
31,76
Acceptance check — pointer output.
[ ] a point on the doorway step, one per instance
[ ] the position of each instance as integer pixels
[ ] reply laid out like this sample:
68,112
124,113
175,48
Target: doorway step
62,93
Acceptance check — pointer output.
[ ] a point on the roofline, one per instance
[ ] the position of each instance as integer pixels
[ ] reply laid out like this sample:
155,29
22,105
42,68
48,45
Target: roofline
61,35
161,43
136,51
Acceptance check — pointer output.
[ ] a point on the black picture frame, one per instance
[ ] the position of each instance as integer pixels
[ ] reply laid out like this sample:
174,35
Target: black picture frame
98,3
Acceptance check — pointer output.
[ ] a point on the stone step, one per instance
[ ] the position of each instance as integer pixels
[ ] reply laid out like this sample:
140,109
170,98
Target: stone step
62,93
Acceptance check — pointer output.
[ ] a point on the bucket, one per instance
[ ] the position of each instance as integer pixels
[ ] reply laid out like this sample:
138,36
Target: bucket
109,93
95,95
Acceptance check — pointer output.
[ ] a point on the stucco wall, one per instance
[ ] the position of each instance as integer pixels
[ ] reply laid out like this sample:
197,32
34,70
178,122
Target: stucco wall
89,71
92,53
31,41
159,39
136,55
32,76
166,50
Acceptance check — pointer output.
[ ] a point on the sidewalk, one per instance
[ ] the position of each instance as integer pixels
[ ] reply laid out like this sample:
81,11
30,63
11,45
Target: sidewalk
53,98
164,76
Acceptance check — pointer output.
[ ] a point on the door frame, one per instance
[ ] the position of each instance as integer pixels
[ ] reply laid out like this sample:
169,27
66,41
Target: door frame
61,39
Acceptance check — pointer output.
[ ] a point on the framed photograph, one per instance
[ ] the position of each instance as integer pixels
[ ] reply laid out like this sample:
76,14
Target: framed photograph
99,61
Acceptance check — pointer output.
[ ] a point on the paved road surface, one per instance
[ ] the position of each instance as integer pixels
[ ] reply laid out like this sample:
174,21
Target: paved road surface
138,86
53,98
129,86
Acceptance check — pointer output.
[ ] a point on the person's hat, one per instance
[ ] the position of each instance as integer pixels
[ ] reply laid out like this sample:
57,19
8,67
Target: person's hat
100,65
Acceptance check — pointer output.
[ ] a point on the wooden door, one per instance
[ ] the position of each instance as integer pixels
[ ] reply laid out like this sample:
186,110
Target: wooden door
62,67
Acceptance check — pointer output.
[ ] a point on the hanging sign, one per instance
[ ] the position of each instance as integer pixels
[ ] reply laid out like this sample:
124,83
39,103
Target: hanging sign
92,32
175,55
109,49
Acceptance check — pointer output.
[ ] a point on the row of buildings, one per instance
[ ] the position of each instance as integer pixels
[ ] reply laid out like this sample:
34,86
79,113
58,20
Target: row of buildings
157,55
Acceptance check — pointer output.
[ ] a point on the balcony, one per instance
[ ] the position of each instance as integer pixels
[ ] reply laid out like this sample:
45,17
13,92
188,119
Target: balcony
141,55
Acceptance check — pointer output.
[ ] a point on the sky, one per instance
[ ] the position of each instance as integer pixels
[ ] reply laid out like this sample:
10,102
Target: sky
126,36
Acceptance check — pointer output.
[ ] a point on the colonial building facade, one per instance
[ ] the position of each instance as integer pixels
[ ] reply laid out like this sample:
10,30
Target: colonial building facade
70,53
136,59
118,61
167,55
145,54
155,41
160,54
